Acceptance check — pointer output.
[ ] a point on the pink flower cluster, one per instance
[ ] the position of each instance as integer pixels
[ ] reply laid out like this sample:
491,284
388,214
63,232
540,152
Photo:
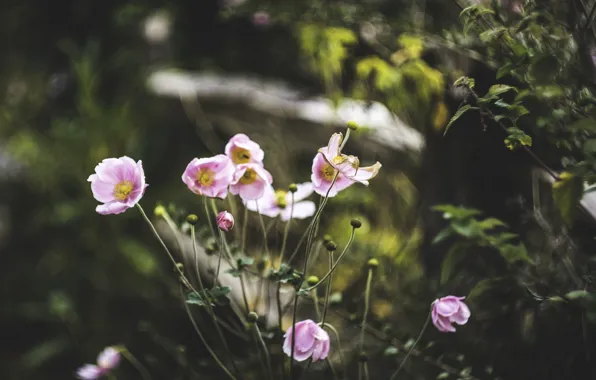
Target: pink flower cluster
107,360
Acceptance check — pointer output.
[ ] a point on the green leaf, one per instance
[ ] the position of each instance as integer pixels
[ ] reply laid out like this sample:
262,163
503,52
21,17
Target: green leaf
217,296
442,235
567,192
457,115
514,253
588,125
577,294
467,228
443,375
465,82
499,89
455,212
455,255
491,35
391,351
550,92
589,147
505,70
490,223
517,138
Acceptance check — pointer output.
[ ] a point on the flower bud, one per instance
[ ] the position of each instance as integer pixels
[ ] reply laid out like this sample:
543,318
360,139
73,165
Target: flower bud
352,125
225,221
372,263
180,266
312,280
355,223
192,219
252,317
331,246
326,239
159,211
293,188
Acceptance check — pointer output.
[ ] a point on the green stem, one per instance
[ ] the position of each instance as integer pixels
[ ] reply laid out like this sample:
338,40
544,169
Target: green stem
222,244
280,321
137,364
363,328
286,232
341,355
198,331
293,336
243,287
244,227
315,299
209,218
261,342
154,230
265,230
336,262
328,292
345,140
412,348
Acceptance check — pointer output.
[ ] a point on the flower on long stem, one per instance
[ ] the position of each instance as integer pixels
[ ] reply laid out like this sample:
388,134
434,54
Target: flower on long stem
107,360
449,310
209,176
279,202
310,341
225,221
242,150
250,181
119,183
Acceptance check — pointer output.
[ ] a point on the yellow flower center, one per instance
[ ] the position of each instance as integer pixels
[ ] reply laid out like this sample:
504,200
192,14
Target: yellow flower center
338,160
328,172
240,156
248,177
205,177
280,198
122,189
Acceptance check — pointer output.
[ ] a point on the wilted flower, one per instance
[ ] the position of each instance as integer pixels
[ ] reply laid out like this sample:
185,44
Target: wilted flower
209,176
225,221
250,181
242,150
447,310
310,341
107,360
119,183
279,202
322,177
348,165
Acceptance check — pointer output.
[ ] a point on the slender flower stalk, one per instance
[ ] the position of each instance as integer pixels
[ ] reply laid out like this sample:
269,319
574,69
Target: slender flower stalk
265,231
341,355
362,365
328,291
286,232
211,227
244,228
394,376
137,364
261,345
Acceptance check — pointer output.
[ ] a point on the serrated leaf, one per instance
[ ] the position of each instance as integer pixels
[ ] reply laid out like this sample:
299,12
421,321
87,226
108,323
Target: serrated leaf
457,115
455,255
567,192
464,82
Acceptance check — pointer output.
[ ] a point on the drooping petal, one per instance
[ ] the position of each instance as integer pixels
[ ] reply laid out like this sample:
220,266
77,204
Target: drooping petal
363,175
305,337
89,372
109,358
462,315
302,210
112,208
443,324
321,350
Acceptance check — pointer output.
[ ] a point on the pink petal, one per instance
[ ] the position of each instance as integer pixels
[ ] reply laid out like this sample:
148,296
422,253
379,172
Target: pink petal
112,208
305,337
89,372
363,175
462,315
321,350
304,190
447,306
106,170
109,358
333,146
102,191
443,324
302,210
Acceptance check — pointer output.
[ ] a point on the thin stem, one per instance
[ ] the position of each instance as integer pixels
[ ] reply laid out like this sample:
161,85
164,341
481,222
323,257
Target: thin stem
286,232
154,230
209,219
363,328
196,256
328,291
280,320
222,244
345,140
259,339
137,364
198,331
244,227
341,355
293,336
315,299
336,263
308,364
412,348
265,230
243,287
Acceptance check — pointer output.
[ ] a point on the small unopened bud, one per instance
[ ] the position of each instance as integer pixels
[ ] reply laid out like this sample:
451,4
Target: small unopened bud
372,263
252,317
312,280
180,267
293,188
352,125
225,221
356,223
331,246
159,211
192,219
326,239
363,357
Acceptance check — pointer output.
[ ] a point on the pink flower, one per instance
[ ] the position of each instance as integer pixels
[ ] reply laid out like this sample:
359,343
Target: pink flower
310,341
242,150
322,177
279,202
209,176
447,310
260,18
119,183
107,360
348,165
250,181
225,221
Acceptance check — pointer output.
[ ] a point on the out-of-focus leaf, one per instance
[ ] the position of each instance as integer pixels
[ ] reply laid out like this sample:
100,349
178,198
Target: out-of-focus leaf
455,255
457,115
455,212
499,89
567,192
391,351
514,253
442,235
44,352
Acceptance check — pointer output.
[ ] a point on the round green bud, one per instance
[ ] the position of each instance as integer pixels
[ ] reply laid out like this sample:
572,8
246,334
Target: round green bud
355,223
326,239
179,266
293,188
352,125
312,280
363,357
159,211
331,246
192,219
252,317
372,263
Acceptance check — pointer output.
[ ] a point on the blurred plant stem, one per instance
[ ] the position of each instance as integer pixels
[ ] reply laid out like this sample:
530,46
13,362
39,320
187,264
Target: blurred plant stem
362,364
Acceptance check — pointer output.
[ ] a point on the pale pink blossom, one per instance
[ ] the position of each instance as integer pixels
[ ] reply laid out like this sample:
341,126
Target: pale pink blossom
322,177
261,18
107,360
250,181
311,341
209,176
449,310
225,221
119,183
275,203
242,150
348,165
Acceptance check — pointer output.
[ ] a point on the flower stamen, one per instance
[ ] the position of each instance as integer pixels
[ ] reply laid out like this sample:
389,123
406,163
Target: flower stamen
205,177
122,190
248,177
240,156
